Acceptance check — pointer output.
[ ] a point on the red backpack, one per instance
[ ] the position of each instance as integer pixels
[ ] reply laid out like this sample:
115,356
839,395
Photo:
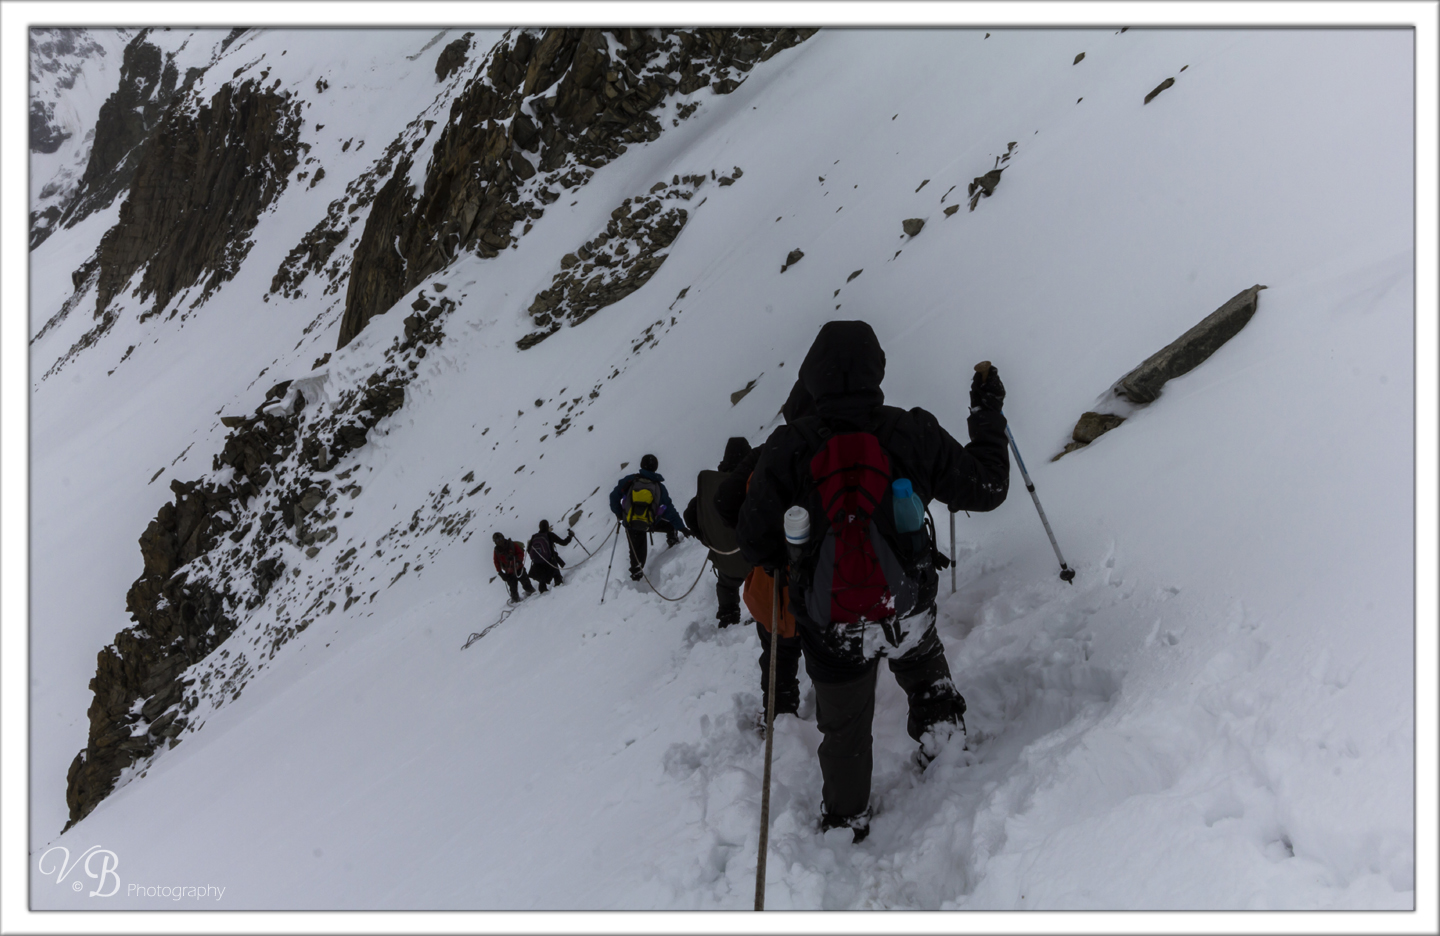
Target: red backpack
857,567
510,558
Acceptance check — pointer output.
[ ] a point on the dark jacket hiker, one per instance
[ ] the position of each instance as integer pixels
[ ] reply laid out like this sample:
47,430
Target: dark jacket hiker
758,588
643,506
545,562
510,563
840,464
708,526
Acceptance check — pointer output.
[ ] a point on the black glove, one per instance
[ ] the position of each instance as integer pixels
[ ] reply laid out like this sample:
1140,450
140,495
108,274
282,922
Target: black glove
986,390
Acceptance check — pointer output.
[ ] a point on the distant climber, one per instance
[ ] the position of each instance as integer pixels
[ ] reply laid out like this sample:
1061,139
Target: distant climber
642,505
863,584
510,563
701,517
545,562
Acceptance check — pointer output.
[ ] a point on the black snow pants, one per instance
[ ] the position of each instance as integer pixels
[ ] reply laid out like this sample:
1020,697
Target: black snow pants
727,598
640,543
516,580
845,708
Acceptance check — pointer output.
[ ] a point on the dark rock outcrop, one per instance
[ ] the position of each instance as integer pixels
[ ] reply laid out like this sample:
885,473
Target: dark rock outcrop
197,193
214,553
475,188
177,623
452,57
984,186
148,85
1142,385
615,263
1158,88
46,135
1093,425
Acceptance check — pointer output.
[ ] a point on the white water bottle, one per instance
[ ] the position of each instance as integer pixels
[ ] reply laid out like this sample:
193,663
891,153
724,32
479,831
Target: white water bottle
797,530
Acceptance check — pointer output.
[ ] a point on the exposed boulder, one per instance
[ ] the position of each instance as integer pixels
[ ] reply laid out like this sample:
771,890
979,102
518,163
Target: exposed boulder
984,186
1142,385
452,57
1093,425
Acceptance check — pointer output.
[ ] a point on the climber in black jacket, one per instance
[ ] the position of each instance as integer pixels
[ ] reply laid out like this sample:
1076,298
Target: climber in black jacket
545,562
842,373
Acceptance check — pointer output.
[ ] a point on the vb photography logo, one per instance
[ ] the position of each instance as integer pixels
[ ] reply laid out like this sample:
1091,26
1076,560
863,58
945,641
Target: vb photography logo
102,866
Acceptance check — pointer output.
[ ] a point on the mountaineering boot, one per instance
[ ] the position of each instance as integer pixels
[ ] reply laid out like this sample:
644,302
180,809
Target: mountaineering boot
636,575
859,825
940,735
727,616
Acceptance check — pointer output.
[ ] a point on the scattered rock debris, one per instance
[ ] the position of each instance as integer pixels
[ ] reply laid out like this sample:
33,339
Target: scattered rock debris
1158,88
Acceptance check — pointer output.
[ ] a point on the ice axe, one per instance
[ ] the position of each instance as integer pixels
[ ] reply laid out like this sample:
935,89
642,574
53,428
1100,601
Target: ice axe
1067,574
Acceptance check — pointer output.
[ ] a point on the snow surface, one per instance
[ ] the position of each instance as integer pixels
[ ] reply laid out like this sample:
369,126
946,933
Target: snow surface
1218,714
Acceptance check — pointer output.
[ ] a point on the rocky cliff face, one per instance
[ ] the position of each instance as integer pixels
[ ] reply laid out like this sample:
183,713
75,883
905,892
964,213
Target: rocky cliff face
548,110
282,478
148,84
197,192
58,59
200,182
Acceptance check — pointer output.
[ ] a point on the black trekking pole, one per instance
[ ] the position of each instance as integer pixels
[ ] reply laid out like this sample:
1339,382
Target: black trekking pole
1067,574
769,748
612,563
953,563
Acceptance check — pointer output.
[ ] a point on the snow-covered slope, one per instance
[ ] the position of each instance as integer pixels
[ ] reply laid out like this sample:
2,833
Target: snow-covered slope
1218,713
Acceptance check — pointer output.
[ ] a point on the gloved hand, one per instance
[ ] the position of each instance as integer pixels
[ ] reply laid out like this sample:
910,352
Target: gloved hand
986,390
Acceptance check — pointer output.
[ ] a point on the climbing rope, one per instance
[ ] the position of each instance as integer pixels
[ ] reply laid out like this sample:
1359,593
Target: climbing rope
476,636
591,555
687,593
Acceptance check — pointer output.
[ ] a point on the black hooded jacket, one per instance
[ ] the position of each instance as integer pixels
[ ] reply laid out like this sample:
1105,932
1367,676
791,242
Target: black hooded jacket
842,373
732,491
737,451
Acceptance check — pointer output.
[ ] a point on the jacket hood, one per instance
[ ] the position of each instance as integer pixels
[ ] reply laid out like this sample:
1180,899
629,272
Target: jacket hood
800,403
843,370
735,451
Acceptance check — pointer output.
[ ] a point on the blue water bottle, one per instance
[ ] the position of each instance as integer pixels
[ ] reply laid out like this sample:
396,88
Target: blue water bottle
909,511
